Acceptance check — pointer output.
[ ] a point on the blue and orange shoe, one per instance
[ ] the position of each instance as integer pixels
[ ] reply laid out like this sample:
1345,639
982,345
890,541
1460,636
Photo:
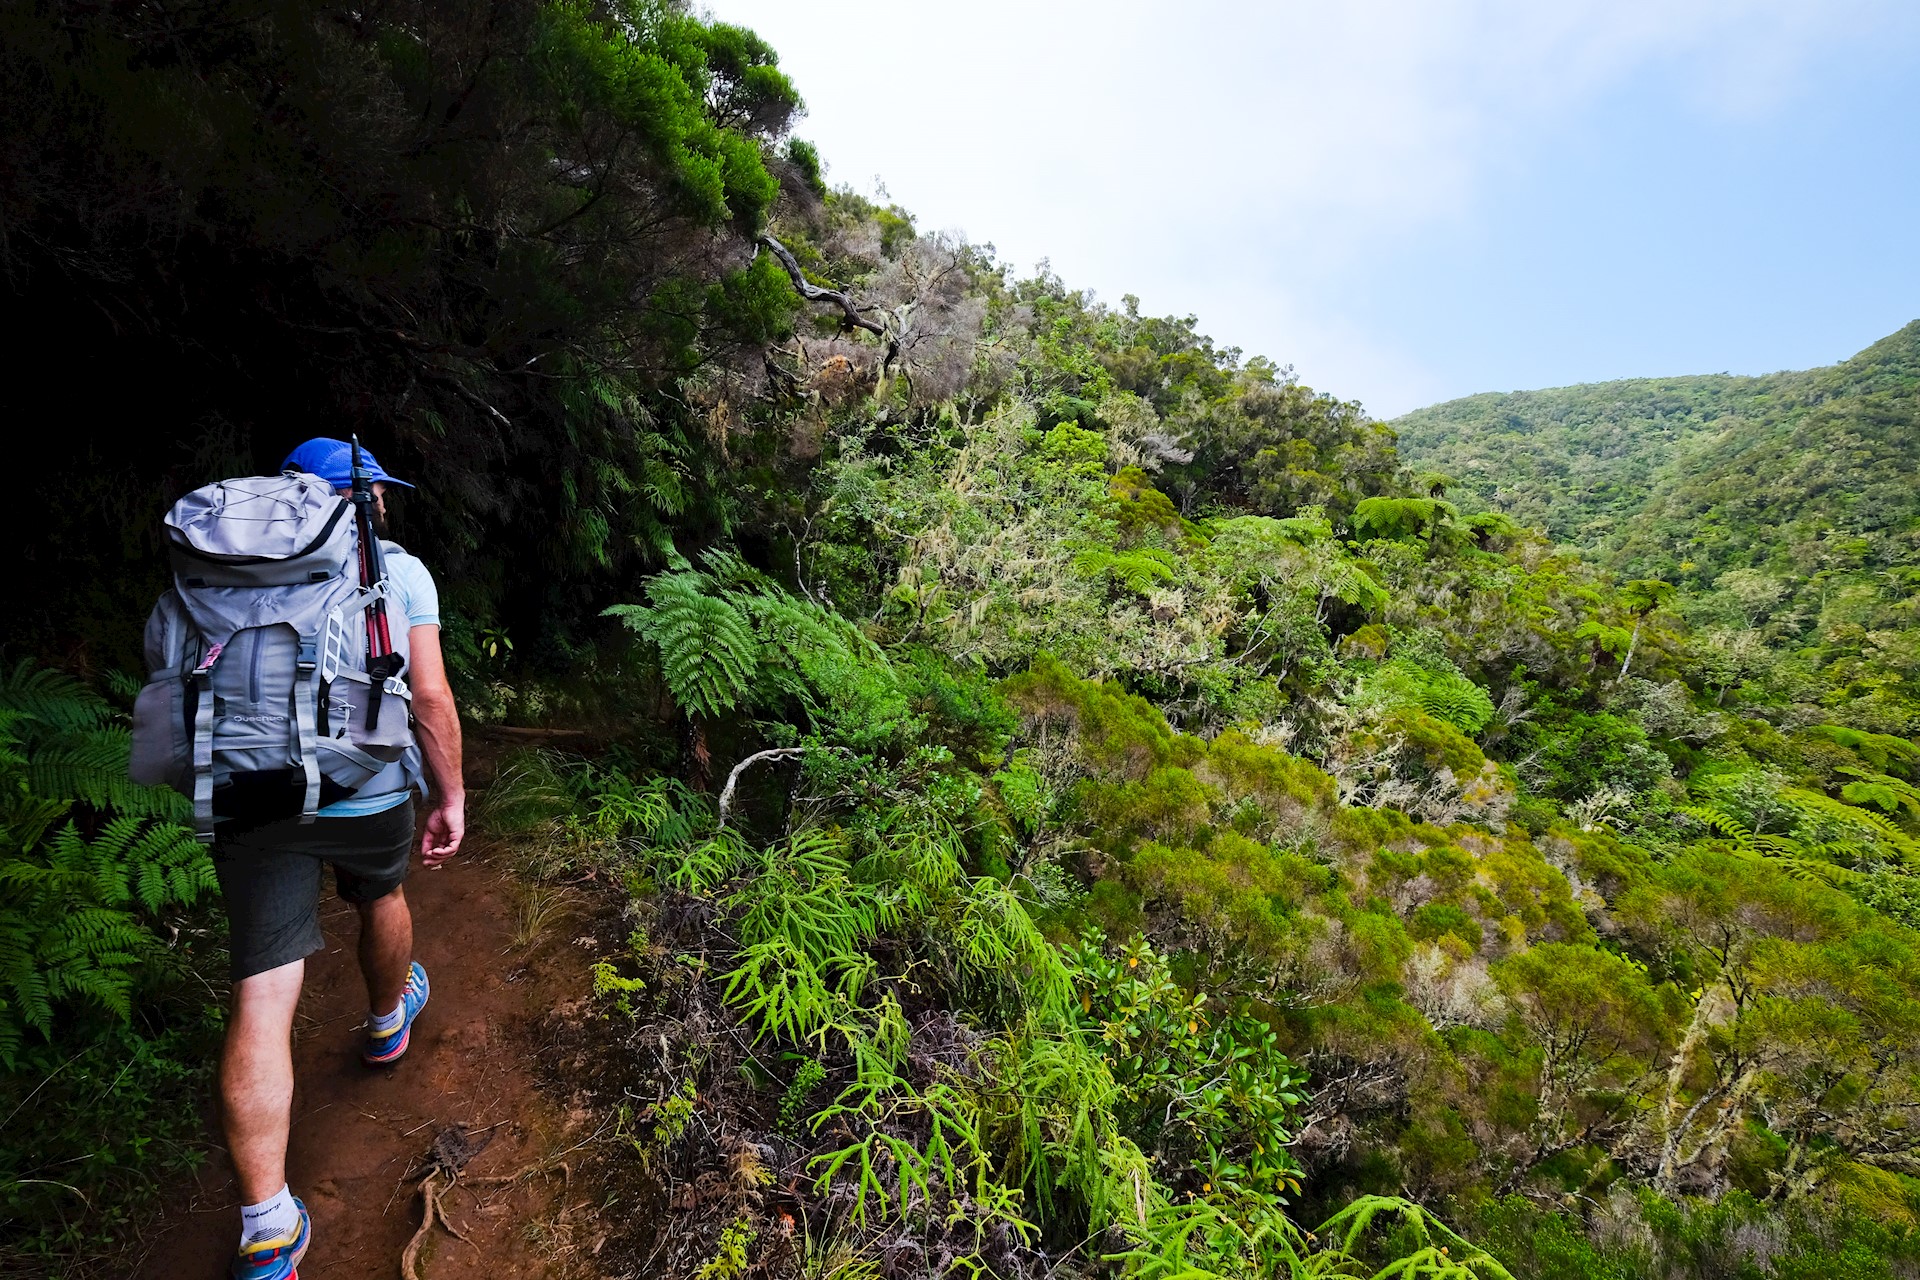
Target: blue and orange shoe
278,1258
386,1048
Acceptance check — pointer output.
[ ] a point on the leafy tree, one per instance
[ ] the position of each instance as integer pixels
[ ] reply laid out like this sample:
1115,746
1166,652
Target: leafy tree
1599,1025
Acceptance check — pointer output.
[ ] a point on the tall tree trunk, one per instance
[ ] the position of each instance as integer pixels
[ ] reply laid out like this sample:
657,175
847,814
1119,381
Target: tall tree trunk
700,757
1632,640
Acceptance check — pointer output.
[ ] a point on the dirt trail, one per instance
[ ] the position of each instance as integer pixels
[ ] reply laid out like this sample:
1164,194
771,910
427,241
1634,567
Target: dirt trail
357,1133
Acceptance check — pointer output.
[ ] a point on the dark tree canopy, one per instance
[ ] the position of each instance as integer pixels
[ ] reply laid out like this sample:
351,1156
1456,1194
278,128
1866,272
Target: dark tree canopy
480,236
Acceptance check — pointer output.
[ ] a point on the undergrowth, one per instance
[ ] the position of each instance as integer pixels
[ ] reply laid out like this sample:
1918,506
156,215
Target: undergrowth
110,956
925,1084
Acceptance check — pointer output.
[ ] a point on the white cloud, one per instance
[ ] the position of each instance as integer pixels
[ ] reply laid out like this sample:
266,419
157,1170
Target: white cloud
1240,160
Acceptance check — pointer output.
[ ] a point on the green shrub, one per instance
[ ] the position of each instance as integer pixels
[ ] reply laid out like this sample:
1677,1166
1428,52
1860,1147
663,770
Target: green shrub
1441,920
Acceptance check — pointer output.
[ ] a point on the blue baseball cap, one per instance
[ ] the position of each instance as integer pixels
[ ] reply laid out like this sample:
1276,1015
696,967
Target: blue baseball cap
332,461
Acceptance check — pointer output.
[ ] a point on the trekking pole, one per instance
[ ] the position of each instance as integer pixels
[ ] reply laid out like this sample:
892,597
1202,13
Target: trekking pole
379,638
382,661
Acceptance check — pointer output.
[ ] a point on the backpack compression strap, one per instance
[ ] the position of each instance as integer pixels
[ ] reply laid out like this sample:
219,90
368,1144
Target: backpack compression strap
203,745
306,714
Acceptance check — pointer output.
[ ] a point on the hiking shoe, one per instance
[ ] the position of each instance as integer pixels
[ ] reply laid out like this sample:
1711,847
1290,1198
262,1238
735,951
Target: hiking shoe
386,1048
278,1258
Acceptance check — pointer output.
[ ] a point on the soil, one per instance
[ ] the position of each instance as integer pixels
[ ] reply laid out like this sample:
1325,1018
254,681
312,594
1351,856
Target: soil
360,1136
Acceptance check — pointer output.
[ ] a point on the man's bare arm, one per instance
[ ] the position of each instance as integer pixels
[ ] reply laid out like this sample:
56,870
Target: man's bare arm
438,724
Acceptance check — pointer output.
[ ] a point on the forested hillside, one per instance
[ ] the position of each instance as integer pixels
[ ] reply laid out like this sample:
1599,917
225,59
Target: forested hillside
1083,803
1580,462
1786,507
1686,477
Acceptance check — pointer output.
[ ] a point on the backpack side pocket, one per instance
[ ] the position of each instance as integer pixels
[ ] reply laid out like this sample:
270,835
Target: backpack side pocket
162,741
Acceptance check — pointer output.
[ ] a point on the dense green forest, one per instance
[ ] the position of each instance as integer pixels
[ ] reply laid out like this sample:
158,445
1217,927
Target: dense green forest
1138,820
1785,507
1580,462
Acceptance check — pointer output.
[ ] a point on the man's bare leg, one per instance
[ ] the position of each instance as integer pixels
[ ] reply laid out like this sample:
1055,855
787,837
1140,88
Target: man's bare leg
386,949
256,1078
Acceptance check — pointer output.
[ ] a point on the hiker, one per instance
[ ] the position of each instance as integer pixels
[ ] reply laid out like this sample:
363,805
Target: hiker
347,800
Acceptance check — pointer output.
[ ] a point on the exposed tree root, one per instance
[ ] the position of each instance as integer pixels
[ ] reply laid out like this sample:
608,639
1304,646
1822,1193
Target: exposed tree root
432,1210
430,1200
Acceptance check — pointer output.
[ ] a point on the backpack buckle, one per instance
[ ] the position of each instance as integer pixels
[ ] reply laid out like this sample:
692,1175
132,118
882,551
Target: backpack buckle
308,659
206,663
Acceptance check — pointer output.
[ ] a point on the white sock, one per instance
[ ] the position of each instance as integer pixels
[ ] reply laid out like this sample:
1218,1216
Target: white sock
277,1215
384,1022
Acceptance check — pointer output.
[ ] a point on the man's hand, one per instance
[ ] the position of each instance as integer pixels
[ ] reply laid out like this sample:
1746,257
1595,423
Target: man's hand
446,826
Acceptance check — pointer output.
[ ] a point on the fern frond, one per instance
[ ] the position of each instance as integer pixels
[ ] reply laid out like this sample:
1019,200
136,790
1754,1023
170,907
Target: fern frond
1137,571
777,988
1716,818
1881,750
1880,790
1873,826
704,866
708,653
53,698
1452,697
998,939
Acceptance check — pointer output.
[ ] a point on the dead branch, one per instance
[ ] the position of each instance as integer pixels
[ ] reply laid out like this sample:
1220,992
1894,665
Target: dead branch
814,293
771,753
510,731
733,776
849,309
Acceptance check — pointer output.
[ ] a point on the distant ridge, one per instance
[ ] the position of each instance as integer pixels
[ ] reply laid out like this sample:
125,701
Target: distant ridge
1686,477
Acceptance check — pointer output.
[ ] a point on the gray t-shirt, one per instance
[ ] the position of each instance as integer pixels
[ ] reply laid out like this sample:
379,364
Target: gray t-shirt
419,600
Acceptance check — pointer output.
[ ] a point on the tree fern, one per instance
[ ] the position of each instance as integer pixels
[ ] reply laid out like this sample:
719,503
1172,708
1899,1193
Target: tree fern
1863,827
1881,750
1450,696
1442,692
1879,789
1397,518
729,638
1799,860
1137,571
708,653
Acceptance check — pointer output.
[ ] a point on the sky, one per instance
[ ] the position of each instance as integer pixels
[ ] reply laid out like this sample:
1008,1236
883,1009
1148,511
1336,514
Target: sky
1407,200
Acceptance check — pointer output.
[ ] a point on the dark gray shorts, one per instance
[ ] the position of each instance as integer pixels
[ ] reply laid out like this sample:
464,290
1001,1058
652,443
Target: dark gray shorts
270,874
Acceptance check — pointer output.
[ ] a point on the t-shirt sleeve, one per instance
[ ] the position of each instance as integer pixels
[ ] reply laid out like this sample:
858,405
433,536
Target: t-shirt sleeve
415,589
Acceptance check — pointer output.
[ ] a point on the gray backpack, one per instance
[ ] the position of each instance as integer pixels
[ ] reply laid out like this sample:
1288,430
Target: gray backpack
258,702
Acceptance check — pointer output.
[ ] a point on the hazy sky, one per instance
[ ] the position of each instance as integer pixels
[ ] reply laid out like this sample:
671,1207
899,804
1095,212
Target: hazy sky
1408,200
